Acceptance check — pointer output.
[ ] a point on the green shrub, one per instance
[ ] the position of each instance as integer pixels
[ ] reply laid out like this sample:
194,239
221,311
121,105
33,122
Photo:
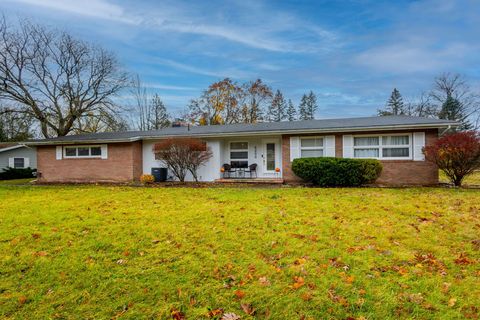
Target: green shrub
332,172
12,173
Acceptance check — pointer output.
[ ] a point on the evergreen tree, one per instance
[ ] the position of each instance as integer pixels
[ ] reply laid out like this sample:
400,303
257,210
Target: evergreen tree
302,108
308,106
312,105
291,112
395,105
452,109
159,116
277,108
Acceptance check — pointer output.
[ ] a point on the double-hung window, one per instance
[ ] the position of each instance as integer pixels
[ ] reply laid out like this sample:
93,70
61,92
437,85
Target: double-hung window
239,154
311,147
383,146
19,163
82,152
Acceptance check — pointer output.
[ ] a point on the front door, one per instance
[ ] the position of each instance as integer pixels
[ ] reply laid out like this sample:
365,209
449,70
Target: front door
269,157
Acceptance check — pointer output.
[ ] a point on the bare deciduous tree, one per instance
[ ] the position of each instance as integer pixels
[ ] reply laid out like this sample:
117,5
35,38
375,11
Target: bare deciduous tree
101,121
219,104
182,155
56,78
150,111
14,126
455,86
256,98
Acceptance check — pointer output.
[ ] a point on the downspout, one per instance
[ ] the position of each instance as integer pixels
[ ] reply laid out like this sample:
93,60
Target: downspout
448,128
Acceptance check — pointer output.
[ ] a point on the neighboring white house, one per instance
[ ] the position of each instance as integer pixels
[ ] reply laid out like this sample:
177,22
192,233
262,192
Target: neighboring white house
17,156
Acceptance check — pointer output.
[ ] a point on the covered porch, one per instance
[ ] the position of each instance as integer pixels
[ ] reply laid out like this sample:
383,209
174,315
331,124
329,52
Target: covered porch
250,158
244,159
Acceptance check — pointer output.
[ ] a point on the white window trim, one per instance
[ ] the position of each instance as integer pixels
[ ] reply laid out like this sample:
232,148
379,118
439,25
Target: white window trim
26,162
380,147
312,148
239,150
64,152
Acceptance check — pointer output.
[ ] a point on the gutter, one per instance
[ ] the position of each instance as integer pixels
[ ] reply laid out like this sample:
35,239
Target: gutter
245,133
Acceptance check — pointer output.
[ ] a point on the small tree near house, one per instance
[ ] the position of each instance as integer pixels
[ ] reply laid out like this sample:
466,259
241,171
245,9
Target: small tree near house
183,155
458,155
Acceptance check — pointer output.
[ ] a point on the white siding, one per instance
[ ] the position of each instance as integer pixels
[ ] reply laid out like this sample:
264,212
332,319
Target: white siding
208,172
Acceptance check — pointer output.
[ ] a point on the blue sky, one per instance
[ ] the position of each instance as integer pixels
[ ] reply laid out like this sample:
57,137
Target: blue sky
350,53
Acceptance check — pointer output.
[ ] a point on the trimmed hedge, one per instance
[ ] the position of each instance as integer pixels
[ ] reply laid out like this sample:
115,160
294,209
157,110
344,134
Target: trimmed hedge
337,172
12,173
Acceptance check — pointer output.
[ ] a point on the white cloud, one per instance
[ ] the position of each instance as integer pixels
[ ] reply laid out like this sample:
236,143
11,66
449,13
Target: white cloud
91,8
230,72
255,28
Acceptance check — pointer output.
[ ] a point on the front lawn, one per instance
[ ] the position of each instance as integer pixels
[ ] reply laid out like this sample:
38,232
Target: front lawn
288,253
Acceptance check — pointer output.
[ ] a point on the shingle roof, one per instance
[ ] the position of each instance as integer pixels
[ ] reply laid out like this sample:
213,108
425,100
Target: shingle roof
285,127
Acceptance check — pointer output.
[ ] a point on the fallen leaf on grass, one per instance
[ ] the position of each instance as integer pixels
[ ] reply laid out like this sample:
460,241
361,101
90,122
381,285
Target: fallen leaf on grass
300,261
298,282
452,302
264,281
35,235
306,296
463,259
177,314
40,253
476,244
214,312
230,316
239,294
446,287
332,294
22,300
247,308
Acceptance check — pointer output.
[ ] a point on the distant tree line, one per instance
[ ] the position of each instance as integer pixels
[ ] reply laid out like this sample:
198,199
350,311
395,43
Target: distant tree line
450,98
227,102
52,84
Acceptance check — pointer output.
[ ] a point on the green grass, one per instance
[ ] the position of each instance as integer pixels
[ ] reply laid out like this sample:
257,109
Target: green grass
132,253
16,181
471,180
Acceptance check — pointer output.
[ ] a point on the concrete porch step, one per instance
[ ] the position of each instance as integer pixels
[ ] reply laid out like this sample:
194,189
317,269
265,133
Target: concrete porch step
252,180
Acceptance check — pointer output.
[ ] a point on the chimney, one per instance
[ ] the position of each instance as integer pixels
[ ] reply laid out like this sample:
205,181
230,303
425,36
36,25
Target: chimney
179,123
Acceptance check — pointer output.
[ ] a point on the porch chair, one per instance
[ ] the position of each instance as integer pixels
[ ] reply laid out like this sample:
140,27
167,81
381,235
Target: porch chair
227,170
252,169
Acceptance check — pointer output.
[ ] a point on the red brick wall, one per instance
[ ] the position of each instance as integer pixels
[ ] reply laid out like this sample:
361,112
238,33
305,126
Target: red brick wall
395,172
124,164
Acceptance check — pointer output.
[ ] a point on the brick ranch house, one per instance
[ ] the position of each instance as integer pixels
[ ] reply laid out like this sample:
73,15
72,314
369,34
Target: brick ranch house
397,141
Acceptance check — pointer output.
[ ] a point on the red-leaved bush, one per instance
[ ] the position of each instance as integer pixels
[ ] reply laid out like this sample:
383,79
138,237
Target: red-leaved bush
182,155
457,154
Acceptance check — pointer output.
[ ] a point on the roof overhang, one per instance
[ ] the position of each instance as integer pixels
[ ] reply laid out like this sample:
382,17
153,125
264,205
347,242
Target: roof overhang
248,133
17,146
